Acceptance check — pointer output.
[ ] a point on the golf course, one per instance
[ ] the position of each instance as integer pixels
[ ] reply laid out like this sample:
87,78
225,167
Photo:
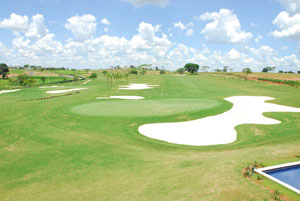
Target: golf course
74,146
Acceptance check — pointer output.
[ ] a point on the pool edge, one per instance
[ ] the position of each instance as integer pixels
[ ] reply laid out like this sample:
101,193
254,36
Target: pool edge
261,172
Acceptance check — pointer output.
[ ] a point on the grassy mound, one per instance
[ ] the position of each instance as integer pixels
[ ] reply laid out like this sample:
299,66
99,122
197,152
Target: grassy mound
142,108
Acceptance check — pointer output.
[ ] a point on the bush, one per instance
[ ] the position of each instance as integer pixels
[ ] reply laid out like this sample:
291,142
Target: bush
180,70
162,71
104,72
93,75
133,71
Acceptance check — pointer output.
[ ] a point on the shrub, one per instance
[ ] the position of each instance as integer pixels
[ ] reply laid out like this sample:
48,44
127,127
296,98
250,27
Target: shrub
180,70
162,71
133,71
93,75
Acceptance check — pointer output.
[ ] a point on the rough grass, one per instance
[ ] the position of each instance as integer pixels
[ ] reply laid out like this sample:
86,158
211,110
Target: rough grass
50,153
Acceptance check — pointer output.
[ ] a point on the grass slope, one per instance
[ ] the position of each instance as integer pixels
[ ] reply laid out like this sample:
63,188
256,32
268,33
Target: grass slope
50,153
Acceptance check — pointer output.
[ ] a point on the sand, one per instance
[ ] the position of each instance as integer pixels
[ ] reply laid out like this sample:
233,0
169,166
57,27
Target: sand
137,86
217,129
122,97
8,91
63,91
50,87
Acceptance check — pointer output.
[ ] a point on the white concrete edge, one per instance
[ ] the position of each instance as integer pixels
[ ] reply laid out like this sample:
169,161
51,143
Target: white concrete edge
261,172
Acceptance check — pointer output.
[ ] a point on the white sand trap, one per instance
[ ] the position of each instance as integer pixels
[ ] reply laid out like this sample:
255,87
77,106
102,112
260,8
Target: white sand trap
45,87
63,91
123,97
137,86
217,129
7,91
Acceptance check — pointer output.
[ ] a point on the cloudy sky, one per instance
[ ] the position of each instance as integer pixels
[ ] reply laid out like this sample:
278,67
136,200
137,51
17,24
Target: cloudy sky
167,33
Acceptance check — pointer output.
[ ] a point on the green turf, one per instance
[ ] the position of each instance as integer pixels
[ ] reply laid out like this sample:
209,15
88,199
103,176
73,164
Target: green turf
49,152
143,108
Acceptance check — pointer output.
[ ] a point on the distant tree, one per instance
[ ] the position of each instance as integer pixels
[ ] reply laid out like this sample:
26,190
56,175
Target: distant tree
29,82
132,66
281,71
266,69
133,71
191,68
143,71
273,68
162,71
93,75
298,72
4,70
180,70
225,68
43,79
26,66
156,68
204,68
247,71
75,79
218,70
104,72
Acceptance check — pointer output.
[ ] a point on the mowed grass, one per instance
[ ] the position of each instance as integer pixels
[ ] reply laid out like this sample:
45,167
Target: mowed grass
141,108
49,152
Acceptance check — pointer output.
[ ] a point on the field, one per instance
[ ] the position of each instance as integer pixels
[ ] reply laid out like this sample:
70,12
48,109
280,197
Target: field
79,148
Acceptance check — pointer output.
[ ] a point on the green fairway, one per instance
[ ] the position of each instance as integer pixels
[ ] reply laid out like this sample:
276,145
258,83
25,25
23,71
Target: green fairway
79,148
142,108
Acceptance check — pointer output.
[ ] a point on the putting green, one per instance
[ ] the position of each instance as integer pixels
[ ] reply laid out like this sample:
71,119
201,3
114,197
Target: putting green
143,108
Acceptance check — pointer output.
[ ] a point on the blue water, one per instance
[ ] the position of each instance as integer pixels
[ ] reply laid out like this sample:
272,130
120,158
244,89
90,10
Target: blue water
289,175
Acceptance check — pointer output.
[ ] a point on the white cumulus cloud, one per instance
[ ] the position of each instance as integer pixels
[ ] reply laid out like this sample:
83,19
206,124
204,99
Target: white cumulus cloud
289,26
292,6
189,32
181,26
83,27
37,28
225,28
139,3
15,23
105,21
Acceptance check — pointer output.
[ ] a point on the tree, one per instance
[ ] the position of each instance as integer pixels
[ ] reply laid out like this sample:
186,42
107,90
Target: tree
281,71
180,70
273,68
93,75
4,70
133,71
191,68
218,70
43,79
298,72
162,71
247,71
266,69
75,79
204,68
225,68
104,72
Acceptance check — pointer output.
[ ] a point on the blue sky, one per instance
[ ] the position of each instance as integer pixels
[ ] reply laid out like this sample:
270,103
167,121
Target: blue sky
165,33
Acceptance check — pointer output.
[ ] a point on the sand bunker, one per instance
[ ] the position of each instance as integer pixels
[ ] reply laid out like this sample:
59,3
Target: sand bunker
123,97
45,87
137,86
7,91
217,129
63,91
